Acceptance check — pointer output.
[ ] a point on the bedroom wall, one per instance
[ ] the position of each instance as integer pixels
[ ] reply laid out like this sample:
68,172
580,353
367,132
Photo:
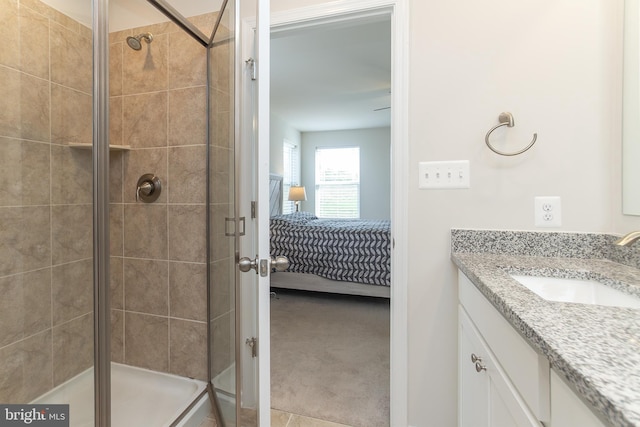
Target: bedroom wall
278,132
556,67
375,164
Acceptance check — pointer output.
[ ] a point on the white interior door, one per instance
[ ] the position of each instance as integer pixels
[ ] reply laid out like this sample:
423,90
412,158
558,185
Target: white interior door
254,205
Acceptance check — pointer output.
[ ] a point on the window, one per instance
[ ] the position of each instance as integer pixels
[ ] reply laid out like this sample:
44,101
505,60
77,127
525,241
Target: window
291,173
338,182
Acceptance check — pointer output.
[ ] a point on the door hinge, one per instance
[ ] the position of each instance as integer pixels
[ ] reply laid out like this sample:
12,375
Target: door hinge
251,63
253,210
253,343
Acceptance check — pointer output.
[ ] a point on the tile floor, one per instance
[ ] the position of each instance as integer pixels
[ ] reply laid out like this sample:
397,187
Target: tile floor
285,419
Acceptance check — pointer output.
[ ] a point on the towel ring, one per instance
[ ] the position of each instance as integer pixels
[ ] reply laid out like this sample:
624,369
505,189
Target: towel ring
506,119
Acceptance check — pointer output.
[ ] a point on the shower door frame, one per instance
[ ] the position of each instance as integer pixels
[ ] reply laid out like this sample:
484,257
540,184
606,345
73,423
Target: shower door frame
100,188
101,251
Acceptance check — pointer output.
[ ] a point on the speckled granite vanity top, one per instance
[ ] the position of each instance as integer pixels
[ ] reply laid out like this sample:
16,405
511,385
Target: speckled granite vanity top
595,348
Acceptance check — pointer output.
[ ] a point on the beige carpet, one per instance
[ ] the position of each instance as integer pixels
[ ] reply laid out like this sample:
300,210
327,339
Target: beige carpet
330,357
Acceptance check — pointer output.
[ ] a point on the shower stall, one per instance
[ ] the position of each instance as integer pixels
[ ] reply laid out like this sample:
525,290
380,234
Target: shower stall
117,186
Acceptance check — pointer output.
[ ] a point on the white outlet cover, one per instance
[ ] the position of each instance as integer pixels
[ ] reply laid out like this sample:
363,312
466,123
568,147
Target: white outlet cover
547,211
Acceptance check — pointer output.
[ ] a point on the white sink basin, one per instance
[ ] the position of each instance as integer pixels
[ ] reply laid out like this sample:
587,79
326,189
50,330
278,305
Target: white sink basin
577,290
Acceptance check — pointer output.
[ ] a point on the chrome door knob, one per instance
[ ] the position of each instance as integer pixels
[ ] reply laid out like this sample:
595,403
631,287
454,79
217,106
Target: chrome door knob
475,358
480,367
279,263
245,264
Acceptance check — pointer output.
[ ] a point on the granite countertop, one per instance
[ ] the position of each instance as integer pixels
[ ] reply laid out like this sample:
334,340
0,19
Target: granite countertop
595,348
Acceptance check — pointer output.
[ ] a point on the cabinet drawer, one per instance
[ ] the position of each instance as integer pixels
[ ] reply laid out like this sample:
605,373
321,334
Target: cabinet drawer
528,371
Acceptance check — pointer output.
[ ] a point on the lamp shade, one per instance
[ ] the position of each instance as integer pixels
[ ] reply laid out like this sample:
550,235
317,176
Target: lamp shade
297,193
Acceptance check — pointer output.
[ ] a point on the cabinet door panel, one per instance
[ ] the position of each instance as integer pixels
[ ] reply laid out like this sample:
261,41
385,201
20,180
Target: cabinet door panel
473,397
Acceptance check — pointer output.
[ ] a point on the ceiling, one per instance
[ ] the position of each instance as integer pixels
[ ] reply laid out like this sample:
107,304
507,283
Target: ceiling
333,76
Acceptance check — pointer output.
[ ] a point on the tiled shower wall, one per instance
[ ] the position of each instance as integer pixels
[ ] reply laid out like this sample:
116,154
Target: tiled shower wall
158,108
46,322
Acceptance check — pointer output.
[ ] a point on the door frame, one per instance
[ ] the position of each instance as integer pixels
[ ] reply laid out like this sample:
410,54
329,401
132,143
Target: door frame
398,10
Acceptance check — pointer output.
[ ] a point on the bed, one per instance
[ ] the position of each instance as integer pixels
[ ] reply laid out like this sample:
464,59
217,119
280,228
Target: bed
346,256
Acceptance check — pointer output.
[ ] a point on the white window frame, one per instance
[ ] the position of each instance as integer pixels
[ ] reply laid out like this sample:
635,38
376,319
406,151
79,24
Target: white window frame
291,173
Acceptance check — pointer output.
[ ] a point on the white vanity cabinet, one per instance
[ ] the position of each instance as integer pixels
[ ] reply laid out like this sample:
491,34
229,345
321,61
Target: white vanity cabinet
503,382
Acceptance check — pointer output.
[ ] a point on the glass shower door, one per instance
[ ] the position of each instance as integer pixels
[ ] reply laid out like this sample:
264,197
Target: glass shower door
46,243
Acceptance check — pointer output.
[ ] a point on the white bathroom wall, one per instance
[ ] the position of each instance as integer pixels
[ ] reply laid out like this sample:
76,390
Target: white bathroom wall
278,132
375,167
555,65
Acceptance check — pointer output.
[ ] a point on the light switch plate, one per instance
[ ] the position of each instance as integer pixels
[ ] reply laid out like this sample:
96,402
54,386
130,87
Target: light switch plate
447,175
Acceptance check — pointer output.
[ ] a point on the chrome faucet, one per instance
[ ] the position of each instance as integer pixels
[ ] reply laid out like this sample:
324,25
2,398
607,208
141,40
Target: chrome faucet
628,239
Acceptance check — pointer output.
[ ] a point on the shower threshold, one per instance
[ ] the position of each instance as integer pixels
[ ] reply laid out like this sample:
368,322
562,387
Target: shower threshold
139,397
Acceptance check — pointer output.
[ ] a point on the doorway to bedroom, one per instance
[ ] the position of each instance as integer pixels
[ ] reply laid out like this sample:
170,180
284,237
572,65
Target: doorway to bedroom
330,146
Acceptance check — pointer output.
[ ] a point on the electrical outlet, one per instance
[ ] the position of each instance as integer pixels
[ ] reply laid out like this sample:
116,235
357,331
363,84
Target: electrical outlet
548,211
447,175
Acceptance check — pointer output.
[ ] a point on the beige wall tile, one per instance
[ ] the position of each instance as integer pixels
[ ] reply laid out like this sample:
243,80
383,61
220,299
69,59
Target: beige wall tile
145,70
188,290
221,343
140,162
188,174
117,336
119,36
37,365
24,239
204,22
10,33
116,276
12,374
221,246
116,174
24,106
72,290
115,68
24,175
144,120
188,116
11,310
145,231
71,116
52,14
71,175
25,306
72,348
188,348
187,61
36,287
34,104
34,43
146,286
72,231
187,240
71,59
116,229
221,286
157,29
116,135
147,341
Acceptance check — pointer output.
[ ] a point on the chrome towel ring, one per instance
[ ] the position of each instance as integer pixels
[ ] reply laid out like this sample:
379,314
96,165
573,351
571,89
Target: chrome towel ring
506,119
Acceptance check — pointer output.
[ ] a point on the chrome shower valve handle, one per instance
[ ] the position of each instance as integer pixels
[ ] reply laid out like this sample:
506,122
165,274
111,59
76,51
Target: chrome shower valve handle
148,188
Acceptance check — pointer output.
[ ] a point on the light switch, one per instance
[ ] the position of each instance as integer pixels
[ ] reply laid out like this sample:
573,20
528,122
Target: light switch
448,175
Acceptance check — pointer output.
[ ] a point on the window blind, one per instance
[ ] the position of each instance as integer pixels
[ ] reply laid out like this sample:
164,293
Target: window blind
337,182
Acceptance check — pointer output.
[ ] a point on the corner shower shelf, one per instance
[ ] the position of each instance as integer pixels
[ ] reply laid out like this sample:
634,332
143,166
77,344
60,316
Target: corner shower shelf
87,146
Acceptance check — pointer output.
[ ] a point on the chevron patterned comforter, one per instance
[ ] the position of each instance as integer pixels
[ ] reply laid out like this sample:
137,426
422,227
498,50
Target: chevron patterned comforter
339,249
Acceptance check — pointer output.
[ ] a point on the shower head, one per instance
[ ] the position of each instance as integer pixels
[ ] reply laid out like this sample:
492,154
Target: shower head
135,43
